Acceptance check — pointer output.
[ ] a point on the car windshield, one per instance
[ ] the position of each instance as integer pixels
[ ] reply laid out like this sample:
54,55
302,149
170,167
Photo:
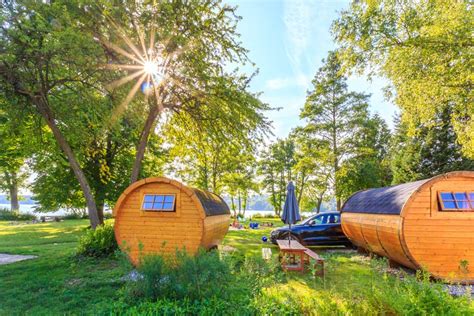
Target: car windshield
309,219
323,219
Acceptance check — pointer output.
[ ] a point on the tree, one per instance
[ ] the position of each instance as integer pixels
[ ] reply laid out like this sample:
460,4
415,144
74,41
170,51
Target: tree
239,181
313,167
205,152
424,48
369,167
47,58
334,115
106,157
15,150
433,150
277,168
192,45
54,55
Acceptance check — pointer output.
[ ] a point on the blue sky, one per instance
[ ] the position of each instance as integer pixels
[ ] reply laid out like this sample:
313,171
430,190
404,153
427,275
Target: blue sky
287,40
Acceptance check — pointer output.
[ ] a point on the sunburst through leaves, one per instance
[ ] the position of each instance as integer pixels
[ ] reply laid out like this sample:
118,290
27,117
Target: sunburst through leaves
147,65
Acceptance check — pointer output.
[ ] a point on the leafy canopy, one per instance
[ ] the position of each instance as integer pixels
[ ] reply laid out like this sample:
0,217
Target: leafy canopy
425,49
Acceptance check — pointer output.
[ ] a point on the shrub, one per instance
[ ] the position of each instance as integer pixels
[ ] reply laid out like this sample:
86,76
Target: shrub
193,277
205,284
168,307
267,215
7,215
108,215
98,243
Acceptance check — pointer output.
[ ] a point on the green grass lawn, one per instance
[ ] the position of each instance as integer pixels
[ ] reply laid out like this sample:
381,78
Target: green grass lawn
58,283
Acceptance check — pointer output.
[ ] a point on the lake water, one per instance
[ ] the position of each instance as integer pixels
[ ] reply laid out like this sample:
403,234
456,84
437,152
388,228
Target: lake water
29,208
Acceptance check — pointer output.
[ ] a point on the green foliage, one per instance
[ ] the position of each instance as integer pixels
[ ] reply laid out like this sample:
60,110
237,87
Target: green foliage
352,144
369,167
276,168
75,215
205,283
58,50
192,277
15,148
258,215
99,242
433,150
424,48
9,215
217,159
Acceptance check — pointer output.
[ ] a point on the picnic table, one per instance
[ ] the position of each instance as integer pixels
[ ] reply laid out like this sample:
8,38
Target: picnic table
291,250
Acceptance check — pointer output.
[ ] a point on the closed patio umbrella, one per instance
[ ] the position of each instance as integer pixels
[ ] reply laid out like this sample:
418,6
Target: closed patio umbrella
291,211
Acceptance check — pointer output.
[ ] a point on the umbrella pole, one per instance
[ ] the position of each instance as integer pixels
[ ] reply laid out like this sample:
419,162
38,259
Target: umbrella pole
289,237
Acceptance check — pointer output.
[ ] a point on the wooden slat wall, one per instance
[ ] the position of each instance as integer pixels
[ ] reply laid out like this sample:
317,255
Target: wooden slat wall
158,232
378,233
215,229
438,241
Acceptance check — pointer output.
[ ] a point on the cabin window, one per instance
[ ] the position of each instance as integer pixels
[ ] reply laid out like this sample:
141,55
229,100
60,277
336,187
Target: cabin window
159,202
456,201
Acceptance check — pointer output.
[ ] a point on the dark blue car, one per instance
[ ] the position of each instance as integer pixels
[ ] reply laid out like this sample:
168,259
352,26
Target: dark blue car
321,229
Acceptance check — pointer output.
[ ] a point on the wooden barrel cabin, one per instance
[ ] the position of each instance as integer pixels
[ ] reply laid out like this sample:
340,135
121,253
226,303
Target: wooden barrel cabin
160,215
427,224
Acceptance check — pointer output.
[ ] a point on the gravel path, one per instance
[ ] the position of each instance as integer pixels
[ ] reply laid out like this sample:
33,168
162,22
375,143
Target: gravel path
6,258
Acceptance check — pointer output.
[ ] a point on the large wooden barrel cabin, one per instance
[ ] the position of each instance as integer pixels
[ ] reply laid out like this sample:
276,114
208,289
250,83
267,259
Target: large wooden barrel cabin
160,215
427,224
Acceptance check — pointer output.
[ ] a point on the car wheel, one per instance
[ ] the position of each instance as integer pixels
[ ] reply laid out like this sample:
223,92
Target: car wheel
351,246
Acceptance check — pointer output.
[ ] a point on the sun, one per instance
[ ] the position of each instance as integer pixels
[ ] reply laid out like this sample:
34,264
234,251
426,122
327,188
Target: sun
147,64
150,67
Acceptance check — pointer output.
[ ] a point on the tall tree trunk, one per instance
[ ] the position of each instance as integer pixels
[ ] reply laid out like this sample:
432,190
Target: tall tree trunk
14,204
47,114
318,205
239,199
100,202
274,198
233,205
143,142
335,158
301,187
244,205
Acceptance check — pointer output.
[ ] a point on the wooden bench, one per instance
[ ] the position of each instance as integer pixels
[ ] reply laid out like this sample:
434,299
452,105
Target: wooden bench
319,264
294,250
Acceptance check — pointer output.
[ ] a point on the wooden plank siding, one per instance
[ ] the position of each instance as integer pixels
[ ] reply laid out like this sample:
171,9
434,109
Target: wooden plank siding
378,233
439,241
422,235
144,232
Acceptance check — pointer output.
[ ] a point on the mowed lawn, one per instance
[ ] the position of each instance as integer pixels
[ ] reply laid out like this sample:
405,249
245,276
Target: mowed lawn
57,282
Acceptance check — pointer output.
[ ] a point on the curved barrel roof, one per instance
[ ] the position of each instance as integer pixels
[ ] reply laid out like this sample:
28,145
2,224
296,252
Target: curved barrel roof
212,203
386,200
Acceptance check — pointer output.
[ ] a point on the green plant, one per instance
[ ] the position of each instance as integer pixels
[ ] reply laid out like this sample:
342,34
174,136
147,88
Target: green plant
108,215
99,242
464,266
7,215
75,215
184,276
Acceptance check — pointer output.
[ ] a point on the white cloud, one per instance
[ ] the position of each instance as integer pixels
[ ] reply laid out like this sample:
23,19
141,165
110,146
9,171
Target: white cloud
299,19
299,80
